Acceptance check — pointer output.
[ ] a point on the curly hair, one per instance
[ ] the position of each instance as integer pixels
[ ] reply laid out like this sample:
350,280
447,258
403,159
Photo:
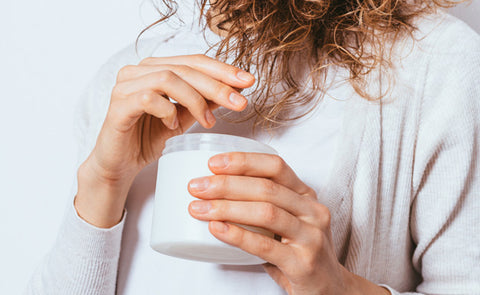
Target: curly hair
267,37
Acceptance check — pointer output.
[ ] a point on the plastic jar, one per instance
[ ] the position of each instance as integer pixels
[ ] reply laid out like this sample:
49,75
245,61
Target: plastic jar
174,231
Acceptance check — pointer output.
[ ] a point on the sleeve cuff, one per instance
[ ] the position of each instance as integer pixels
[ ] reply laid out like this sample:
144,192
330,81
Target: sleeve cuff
88,241
395,292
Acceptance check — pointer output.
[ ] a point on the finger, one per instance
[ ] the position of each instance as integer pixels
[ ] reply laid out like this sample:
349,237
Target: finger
246,188
259,214
220,71
186,119
277,275
260,165
169,84
126,112
256,244
208,87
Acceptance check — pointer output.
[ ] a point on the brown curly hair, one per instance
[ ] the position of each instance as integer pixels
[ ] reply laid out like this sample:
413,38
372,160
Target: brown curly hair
267,36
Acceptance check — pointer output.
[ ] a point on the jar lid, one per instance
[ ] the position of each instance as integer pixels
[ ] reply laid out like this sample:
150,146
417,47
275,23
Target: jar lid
215,142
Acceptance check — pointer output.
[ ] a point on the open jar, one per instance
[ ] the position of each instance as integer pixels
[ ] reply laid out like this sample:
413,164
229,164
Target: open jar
174,231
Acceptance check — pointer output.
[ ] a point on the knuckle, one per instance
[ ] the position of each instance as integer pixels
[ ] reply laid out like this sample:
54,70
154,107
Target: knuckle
264,246
118,92
219,209
323,214
311,193
199,57
170,110
114,112
222,91
278,164
125,72
238,237
147,60
182,69
224,209
269,213
146,98
238,159
268,188
164,77
197,103
219,182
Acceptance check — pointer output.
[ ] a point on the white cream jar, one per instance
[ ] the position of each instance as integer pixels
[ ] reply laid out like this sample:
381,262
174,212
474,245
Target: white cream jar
174,231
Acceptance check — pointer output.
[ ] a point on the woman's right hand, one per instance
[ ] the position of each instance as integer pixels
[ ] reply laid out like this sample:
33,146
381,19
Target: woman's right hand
141,118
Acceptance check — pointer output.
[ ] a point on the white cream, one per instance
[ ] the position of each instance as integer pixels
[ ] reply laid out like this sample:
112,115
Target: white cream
174,231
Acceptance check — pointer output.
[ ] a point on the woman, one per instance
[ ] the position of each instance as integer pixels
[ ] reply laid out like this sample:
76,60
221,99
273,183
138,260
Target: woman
373,107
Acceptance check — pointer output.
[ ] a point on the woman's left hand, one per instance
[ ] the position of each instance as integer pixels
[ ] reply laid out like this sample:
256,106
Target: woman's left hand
262,190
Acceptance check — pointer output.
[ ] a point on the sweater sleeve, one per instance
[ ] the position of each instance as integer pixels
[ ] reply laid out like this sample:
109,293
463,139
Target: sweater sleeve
445,209
84,258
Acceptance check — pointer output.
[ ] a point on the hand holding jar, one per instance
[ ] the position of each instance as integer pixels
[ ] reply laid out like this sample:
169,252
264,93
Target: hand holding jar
141,118
261,190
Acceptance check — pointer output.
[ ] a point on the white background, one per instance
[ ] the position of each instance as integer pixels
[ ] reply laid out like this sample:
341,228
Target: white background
48,51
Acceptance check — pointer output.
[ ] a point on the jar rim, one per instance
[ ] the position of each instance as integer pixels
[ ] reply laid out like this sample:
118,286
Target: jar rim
215,142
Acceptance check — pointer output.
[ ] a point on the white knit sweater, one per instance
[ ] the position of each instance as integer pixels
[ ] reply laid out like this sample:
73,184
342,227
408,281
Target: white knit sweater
404,191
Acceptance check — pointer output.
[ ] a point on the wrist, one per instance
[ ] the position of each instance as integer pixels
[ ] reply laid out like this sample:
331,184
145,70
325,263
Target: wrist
357,285
100,201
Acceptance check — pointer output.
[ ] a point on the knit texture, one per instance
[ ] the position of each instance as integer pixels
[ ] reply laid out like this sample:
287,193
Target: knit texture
404,191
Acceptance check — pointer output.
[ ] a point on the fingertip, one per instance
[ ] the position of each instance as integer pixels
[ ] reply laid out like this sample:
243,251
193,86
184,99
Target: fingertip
209,126
245,77
218,162
218,227
190,189
169,123
175,123
243,107
192,211
210,119
238,101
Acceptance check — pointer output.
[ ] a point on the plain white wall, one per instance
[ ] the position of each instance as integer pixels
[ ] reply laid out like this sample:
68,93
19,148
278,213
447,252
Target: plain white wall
48,51
469,12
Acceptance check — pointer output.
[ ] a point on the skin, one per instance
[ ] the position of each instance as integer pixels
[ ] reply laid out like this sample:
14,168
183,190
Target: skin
140,119
254,189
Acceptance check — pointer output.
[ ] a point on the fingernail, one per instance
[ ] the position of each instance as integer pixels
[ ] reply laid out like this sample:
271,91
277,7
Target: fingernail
219,226
210,117
200,206
175,123
218,161
244,76
199,184
237,99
